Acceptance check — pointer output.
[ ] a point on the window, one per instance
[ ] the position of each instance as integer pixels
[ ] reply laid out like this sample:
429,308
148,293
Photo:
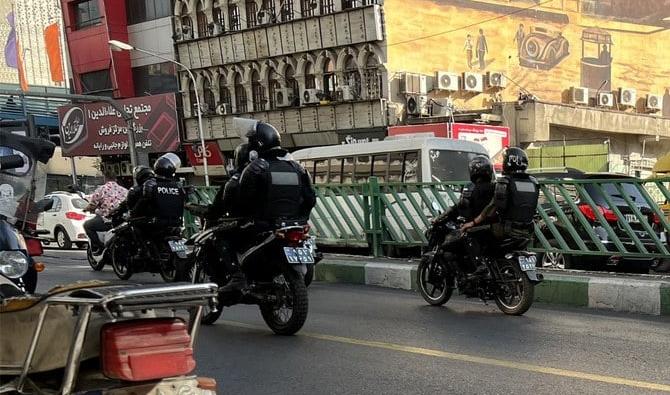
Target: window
258,92
224,92
448,165
234,16
96,81
373,78
273,86
308,7
154,79
208,95
327,6
396,160
411,167
351,76
252,11
193,98
186,23
310,79
346,4
287,10
240,95
335,175
201,19
57,204
290,81
329,79
79,203
268,7
87,13
138,11
380,166
217,16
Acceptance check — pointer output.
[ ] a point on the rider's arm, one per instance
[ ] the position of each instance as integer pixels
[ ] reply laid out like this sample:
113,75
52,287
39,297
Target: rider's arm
308,194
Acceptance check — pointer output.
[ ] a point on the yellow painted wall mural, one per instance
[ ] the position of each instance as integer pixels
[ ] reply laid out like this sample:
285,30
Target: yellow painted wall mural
545,46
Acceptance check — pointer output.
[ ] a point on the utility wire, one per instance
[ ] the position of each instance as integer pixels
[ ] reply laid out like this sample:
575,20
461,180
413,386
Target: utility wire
470,25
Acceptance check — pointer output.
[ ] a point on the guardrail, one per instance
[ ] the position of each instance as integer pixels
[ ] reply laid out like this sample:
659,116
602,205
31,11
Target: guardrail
580,217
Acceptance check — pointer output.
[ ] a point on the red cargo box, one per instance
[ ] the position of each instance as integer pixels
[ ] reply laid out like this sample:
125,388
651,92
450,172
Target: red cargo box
146,349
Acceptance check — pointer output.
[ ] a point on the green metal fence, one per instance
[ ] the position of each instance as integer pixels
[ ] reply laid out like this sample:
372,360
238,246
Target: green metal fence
580,217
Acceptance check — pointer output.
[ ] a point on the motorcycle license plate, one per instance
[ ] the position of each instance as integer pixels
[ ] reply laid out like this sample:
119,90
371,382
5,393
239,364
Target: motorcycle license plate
527,262
177,245
297,256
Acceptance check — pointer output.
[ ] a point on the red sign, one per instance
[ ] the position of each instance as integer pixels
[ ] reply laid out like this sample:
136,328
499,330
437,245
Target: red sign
493,138
98,129
212,153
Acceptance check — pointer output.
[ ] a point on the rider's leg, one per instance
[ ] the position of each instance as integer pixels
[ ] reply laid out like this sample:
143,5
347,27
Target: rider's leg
92,227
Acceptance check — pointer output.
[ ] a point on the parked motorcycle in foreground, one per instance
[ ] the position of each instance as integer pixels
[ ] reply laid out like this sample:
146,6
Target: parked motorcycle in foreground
274,266
511,282
97,338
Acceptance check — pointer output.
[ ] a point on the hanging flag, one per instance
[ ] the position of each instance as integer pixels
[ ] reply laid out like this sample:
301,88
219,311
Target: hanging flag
10,47
52,43
23,81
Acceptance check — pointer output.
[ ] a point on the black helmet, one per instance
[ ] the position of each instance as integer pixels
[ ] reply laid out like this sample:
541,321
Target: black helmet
241,156
167,165
515,160
142,173
263,137
481,167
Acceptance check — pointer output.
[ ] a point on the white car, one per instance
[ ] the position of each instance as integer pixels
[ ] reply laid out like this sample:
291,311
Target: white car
65,220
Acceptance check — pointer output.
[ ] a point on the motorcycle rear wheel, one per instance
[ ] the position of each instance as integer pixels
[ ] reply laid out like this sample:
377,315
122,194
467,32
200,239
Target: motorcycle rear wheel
515,296
432,276
209,315
288,317
97,266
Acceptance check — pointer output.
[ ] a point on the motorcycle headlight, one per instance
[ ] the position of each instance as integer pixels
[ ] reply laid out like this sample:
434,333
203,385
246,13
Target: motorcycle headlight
13,264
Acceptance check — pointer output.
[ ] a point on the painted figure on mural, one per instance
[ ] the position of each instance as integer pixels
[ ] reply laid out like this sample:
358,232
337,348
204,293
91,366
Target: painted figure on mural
482,49
666,103
468,50
518,38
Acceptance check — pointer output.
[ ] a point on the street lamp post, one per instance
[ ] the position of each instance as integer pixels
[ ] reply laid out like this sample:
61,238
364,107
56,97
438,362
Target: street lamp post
120,45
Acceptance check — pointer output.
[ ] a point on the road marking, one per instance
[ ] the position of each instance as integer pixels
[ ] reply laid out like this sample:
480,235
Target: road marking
474,359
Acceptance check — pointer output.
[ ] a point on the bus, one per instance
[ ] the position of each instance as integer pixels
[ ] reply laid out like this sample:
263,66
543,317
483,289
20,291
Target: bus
397,159
338,218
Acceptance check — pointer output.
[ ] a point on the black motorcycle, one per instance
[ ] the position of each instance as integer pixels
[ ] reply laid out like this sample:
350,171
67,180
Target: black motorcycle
510,280
138,245
274,262
19,239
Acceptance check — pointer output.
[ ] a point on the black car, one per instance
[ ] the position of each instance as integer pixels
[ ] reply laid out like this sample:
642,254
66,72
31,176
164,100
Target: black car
609,262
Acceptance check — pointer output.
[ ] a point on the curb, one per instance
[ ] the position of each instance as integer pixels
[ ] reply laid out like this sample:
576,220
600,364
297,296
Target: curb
640,296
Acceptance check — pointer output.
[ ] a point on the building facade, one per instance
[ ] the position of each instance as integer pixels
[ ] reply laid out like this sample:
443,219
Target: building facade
313,68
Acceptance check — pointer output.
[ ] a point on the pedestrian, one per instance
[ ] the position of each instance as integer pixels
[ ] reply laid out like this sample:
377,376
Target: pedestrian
468,50
518,38
482,49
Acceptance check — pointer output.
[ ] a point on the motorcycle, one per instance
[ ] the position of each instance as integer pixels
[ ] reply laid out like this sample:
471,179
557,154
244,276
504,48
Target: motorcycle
275,264
19,240
94,338
510,283
138,245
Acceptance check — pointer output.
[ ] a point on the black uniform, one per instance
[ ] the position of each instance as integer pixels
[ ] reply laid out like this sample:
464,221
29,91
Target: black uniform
274,188
513,206
474,198
161,199
227,200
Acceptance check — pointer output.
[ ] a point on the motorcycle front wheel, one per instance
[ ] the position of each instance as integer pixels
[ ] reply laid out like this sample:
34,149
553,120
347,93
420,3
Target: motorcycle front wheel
515,291
121,262
288,314
434,282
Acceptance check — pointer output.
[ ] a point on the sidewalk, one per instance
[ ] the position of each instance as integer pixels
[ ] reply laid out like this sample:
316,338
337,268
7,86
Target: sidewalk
625,293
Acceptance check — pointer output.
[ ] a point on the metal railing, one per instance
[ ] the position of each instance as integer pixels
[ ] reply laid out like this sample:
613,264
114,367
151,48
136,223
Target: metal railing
615,216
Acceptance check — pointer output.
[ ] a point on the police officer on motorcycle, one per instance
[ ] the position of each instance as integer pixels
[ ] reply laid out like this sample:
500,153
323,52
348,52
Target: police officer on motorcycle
163,196
227,199
514,204
274,189
474,198
141,174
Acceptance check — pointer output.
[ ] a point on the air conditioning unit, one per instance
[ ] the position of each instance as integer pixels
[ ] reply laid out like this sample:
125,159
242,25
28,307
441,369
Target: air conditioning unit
311,96
204,109
446,81
654,102
425,84
627,97
473,82
579,95
348,93
223,109
605,99
284,97
416,105
216,28
496,79
410,83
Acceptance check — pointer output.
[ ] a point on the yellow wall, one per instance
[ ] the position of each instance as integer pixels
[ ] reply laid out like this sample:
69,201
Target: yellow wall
640,51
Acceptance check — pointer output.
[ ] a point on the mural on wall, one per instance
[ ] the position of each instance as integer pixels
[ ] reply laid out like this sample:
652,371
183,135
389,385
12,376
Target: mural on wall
543,46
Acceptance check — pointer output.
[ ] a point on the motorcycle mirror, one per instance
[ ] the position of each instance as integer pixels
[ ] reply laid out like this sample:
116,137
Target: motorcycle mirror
11,162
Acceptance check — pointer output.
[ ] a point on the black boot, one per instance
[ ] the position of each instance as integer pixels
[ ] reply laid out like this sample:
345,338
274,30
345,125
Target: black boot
237,283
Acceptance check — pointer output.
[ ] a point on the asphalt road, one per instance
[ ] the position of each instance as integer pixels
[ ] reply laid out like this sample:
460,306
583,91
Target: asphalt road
366,340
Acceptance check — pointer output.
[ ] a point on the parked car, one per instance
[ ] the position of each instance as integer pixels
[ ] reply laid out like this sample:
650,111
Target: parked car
64,223
565,261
